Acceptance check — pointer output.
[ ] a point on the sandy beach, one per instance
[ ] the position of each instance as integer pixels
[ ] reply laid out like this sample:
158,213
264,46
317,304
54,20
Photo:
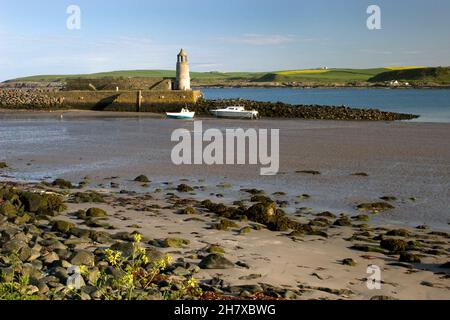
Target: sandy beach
406,164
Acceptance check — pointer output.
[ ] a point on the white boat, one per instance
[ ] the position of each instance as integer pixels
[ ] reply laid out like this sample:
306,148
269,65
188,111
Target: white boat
235,112
184,114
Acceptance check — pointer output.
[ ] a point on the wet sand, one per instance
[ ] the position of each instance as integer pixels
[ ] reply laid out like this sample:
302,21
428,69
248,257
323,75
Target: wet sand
410,161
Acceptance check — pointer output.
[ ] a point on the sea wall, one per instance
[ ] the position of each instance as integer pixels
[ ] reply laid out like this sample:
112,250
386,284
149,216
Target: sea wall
96,100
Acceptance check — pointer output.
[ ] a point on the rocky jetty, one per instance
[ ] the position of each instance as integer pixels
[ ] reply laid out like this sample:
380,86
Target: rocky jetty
283,110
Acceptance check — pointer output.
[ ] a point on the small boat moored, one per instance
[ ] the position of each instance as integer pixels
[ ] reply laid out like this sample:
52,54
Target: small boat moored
235,112
184,114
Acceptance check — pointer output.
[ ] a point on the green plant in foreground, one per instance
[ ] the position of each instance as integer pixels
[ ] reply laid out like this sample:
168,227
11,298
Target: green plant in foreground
15,286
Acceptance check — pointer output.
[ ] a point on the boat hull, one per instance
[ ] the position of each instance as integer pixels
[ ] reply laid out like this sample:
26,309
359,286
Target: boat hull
180,115
235,115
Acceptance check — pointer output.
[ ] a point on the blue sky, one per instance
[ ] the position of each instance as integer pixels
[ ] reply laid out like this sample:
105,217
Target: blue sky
232,35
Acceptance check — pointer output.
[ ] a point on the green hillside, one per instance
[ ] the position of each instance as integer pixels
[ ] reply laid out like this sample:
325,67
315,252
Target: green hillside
413,74
329,75
438,75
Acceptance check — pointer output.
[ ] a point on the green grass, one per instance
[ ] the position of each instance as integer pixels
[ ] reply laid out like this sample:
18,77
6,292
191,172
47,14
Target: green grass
338,75
438,75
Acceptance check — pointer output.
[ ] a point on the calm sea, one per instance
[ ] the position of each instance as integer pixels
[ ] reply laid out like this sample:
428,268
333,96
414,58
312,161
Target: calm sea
433,105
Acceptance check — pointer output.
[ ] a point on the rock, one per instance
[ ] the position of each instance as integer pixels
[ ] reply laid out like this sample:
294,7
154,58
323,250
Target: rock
394,245
49,258
376,206
80,233
361,217
388,198
142,178
100,237
63,226
349,262
398,233
260,198
224,224
245,230
343,222
83,258
184,188
63,184
215,249
250,288
179,271
188,211
174,243
326,215
252,276
126,248
367,248
215,261
409,257
32,201
8,209
87,197
3,165
25,218
96,213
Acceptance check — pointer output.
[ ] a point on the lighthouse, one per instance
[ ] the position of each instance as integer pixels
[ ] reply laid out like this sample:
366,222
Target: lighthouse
183,81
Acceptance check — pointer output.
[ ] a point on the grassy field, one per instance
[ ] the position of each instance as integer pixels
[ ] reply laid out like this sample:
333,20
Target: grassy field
317,76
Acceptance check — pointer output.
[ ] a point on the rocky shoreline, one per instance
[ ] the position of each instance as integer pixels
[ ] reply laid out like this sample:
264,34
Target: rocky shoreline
40,100
167,245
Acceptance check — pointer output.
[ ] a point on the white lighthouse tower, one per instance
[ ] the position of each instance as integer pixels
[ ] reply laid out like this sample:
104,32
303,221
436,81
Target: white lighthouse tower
183,81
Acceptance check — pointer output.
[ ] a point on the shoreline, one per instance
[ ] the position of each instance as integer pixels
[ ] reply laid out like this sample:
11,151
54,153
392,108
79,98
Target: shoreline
280,264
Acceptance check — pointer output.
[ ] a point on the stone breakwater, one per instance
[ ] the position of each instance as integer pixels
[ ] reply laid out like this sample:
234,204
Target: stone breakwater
283,110
158,102
29,99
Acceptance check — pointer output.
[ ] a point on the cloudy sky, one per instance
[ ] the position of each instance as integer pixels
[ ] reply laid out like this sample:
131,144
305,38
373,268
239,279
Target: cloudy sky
232,35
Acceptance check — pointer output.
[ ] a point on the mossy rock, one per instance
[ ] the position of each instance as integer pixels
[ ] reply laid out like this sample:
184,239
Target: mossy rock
188,211
87,197
83,258
215,261
260,198
96,213
409,257
215,249
25,218
3,165
32,201
367,248
398,233
361,217
349,262
343,222
174,243
375,206
63,184
184,188
8,209
63,226
224,225
245,230
394,245
142,178
326,214
80,233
